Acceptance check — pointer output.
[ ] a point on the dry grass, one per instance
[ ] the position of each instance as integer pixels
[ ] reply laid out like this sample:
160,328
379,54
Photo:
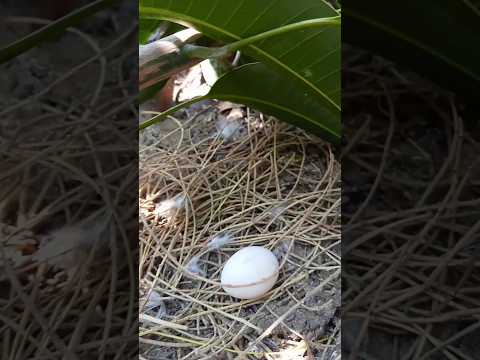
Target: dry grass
410,235
66,157
272,186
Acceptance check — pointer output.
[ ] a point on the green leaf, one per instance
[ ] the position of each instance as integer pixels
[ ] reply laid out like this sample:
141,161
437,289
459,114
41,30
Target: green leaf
52,30
260,87
435,38
310,57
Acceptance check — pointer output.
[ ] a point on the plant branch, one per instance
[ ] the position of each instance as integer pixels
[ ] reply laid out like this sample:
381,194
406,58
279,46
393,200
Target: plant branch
201,52
172,110
163,58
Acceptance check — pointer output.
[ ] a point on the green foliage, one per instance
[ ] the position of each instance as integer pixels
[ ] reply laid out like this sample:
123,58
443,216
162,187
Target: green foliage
304,62
293,103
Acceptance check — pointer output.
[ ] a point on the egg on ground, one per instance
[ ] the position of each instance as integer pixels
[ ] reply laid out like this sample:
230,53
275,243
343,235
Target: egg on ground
250,272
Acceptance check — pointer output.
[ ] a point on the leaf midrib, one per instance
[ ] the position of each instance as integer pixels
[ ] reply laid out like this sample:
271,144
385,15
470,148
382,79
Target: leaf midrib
175,17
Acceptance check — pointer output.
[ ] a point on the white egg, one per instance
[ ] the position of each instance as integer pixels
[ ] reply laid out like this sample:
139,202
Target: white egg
250,272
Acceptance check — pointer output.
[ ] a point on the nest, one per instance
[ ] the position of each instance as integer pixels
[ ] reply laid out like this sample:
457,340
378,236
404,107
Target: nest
270,185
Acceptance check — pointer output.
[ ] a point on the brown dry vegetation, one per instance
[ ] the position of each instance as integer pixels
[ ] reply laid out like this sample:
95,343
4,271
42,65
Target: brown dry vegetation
410,240
269,185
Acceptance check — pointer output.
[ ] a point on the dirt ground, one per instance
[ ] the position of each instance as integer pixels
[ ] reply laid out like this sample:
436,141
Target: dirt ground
263,183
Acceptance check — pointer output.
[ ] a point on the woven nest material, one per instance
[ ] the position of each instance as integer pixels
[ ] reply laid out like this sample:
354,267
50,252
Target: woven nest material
270,186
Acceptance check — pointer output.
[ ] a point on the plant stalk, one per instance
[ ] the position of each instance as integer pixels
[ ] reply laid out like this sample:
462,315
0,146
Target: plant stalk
163,58
202,52
172,110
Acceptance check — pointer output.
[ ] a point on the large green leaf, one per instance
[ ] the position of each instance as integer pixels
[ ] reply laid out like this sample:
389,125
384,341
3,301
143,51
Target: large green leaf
260,87
438,39
310,58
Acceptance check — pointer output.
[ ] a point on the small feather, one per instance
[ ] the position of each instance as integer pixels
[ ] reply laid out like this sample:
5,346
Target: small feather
219,241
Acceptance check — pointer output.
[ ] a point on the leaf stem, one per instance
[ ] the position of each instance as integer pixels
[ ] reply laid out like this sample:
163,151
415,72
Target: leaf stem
172,110
301,25
208,53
